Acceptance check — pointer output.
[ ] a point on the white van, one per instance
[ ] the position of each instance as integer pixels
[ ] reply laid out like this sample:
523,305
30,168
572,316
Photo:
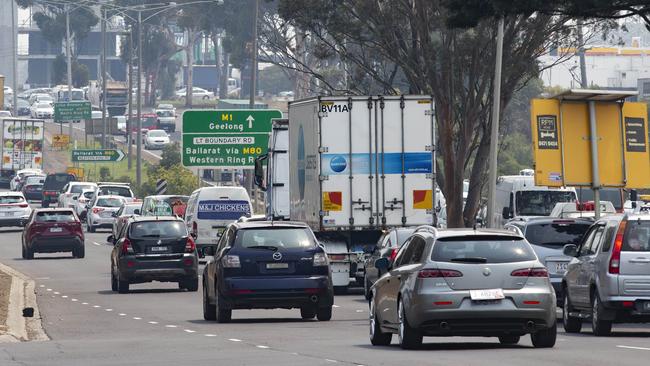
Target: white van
211,209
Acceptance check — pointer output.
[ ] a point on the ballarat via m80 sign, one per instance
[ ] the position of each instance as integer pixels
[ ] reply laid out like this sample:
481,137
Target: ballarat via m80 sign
226,138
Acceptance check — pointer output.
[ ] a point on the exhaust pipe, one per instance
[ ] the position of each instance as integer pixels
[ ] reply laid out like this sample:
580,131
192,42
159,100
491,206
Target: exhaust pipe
530,325
313,298
444,325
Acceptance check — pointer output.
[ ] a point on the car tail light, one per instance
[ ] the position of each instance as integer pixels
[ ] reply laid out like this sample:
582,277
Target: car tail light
337,257
241,292
320,259
531,302
615,261
442,303
23,205
195,228
530,272
190,247
126,247
97,210
628,304
439,273
231,261
393,254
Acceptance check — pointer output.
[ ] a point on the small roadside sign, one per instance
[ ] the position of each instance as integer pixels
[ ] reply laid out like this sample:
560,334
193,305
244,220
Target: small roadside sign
77,172
72,111
97,155
226,138
60,140
161,186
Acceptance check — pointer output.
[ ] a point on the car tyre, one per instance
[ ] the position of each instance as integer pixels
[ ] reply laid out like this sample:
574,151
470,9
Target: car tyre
600,327
366,288
191,285
509,339
91,229
79,252
307,313
209,310
324,314
544,338
223,315
205,97
113,282
377,337
122,286
571,324
29,254
409,338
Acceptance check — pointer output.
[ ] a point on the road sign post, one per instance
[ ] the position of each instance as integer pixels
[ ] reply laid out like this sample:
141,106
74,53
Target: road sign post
97,155
71,111
226,138
60,141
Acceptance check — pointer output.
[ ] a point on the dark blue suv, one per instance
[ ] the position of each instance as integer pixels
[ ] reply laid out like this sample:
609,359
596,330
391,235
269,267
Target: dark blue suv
267,265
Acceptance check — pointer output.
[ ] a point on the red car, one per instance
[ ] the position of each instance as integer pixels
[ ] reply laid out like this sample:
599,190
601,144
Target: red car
51,231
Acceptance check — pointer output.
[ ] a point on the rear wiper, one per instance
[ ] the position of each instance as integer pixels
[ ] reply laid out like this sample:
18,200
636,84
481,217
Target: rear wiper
268,247
470,260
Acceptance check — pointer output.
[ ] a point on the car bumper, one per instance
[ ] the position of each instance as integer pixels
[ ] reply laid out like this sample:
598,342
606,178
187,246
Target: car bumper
156,146
34,196
277,292
104,222
165,269
56,244
465,317
16,221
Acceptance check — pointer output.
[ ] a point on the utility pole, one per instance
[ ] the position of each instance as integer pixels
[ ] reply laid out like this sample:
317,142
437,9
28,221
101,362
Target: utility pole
581,56
130,113
69,55
104,78
14,61
254,57
138,163
494,132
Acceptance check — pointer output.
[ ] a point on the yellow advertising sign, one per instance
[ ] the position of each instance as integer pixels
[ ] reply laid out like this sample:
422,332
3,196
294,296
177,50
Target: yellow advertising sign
332,201
60,140
77,172
562,143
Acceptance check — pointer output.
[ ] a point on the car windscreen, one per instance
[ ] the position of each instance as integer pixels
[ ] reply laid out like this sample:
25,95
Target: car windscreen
556,233
34,179
89,194
57,181
637,236
7,200
157,133
286,238
78,188
165,113
540,203
483,249
158,229
115,191
109,202
54,216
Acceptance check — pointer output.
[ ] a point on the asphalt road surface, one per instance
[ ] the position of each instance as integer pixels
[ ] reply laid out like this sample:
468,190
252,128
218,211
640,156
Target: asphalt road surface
156,324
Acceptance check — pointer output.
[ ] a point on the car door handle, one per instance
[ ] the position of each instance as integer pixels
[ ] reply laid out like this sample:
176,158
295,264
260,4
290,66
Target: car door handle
640,260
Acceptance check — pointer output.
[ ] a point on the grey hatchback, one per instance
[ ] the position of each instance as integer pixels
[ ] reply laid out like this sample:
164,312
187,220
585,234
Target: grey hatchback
608,278
463,283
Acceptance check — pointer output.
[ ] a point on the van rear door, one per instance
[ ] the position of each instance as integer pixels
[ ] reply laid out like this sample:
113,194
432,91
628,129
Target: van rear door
634,272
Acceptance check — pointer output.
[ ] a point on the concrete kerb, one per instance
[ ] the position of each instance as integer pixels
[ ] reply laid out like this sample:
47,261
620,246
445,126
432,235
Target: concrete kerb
23,294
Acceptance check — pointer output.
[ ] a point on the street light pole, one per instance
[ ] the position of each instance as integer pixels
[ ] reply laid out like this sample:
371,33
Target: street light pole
130,113
69,55
138,169
253,85
104,79
14,41
494,133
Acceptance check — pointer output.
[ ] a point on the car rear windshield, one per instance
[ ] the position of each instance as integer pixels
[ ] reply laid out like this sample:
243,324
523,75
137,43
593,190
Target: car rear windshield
115,191
57,181
637,236
482,250
109,202
4,200
158,229
275,237
55,216
78,188
556,233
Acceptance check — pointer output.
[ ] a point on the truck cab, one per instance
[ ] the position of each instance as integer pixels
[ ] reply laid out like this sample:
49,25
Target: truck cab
275,180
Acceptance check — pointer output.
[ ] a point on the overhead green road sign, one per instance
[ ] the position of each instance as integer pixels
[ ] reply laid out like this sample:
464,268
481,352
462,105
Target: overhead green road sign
226,138
97,155
72,111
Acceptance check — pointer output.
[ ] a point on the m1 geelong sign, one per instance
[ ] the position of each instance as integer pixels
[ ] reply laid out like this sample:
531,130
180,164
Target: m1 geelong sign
71,111
226,138
97,156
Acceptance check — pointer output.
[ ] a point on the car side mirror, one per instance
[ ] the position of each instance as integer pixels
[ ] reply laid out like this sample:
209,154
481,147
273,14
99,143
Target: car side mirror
506,213
382,264
208,251
136,211
570,250
111,239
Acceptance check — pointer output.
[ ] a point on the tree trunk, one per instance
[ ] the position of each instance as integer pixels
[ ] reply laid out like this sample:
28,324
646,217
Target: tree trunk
225,74
189,83
217,62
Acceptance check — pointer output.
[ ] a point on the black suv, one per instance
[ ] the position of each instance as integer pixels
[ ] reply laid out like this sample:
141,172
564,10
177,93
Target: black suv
266,265
154,249
53,185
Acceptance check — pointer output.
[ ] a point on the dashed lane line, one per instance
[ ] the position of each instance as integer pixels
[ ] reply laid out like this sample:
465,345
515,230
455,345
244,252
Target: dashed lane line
210,335
96,243
636,348
137,318
234,340
152,322
262,347
189,331
171,326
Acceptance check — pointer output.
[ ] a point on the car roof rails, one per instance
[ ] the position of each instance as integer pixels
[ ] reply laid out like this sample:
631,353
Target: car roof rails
114,183
427,228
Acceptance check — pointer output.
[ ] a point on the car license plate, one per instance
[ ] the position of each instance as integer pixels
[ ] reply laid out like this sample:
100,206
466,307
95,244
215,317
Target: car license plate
158,249
487,294
56,229
277,265
557,267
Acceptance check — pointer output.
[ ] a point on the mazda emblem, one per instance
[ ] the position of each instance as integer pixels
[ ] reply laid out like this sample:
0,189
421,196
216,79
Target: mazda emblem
277,256
486,272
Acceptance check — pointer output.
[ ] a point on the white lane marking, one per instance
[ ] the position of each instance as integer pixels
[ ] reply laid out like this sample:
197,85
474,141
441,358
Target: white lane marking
638,348
96,243
57,293
189,331
171,326
210,335
108,309
41,286
335,306
262,347
84,303
74,300
42,278
49,289
64,296
137,318
122,314
152,322
359,311
333,361
234,340
96,306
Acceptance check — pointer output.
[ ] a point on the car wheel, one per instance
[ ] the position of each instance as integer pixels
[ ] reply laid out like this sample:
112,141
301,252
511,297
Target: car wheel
24,252
324,313
409,338
91,229
113,281
191,285
571,324
29,253
377,337
307,313
205,97
600,326
366,288
122,286
223,315
209,310
545,338
79,252
509,339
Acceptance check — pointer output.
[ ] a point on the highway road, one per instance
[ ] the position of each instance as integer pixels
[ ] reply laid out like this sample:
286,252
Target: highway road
157,324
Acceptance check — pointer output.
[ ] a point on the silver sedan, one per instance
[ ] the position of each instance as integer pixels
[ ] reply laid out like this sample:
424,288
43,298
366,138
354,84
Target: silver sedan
463,283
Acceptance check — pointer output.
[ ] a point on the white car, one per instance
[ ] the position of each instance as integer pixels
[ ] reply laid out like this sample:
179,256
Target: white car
82,201
42,110
5,114
100,212
8,90
13,184
71,191
156,139
197,93
40,97
116,189
14,209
